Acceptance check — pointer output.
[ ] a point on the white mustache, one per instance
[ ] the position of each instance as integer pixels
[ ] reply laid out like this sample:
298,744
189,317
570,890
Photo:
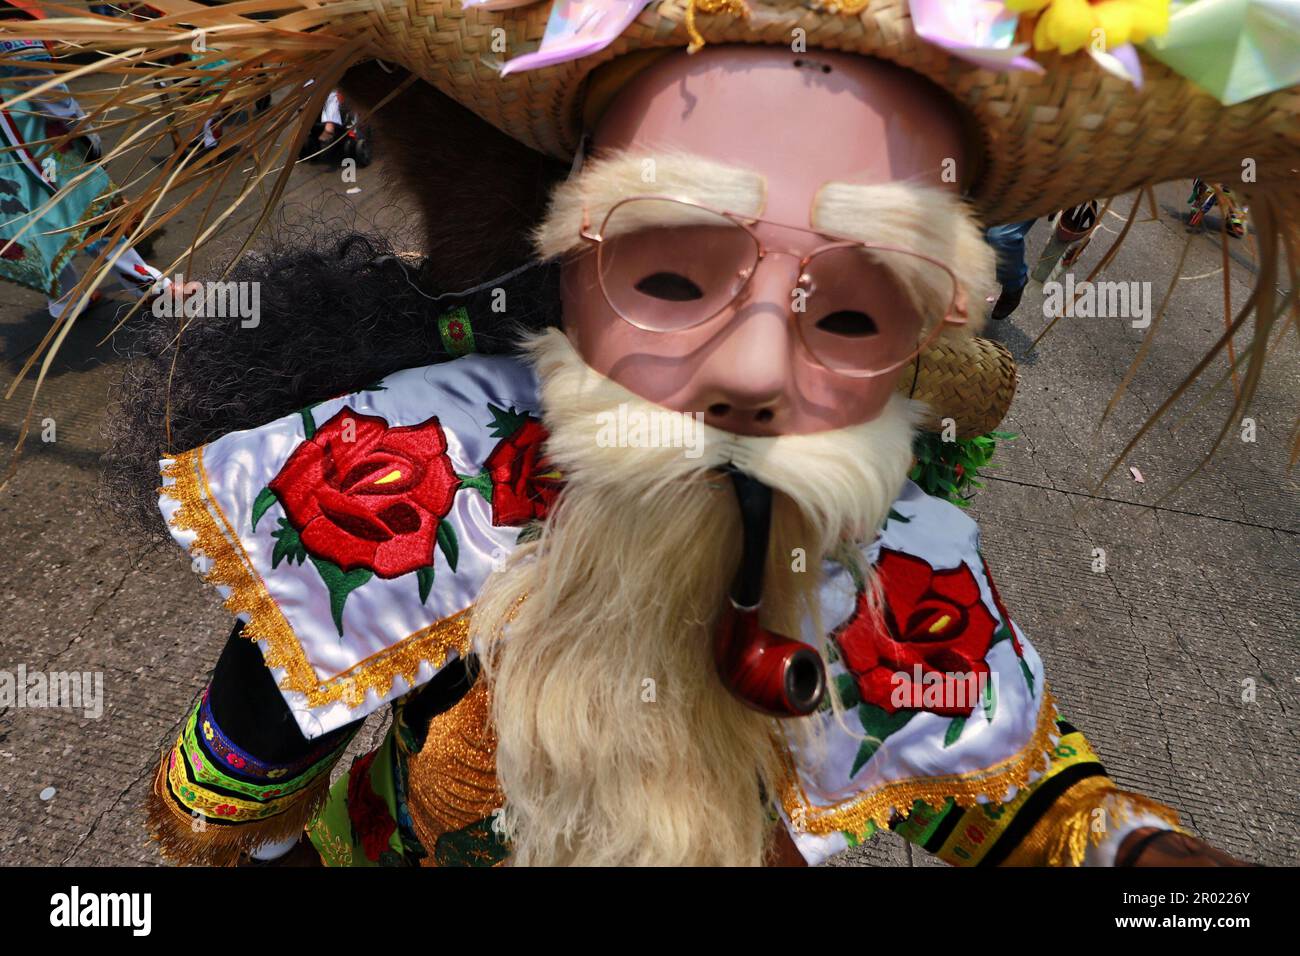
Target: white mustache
840,479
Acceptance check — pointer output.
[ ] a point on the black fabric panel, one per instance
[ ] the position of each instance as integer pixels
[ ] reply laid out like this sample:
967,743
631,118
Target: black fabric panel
944,829
440,694
250,711
1044,795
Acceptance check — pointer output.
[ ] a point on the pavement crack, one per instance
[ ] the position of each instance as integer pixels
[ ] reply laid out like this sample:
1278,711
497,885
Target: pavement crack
147,770
1148,670
94,612
1138,504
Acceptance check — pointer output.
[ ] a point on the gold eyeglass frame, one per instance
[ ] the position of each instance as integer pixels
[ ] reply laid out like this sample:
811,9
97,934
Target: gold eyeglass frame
950,319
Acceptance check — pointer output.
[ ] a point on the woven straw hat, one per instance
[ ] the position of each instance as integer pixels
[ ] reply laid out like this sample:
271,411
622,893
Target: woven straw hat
1050,139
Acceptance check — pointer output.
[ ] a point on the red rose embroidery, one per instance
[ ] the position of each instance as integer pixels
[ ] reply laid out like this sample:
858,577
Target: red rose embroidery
372,824
932,619
374,502
524,485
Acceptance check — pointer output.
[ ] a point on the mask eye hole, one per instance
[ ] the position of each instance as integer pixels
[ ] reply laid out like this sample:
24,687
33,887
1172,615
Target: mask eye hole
669,287
849,324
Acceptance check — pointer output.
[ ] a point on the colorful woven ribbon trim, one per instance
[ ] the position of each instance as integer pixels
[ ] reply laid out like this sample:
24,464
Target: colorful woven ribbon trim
205,782
232,757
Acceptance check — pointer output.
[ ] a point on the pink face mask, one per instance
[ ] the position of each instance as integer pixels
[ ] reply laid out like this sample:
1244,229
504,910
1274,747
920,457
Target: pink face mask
749,315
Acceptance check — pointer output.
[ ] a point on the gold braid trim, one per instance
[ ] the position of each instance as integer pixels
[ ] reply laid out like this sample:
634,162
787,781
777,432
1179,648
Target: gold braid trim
1062,835
736,8
193,841
217,540
879,805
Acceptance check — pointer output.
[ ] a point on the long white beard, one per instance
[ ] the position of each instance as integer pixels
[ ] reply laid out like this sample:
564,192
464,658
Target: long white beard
617,743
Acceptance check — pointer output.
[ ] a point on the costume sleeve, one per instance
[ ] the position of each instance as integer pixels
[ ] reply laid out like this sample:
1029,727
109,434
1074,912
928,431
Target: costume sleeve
1072,815
240,774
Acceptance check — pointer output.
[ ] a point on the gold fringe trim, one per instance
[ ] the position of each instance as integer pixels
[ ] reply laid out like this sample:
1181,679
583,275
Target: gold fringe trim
217,540
192,841
1062,836
879,805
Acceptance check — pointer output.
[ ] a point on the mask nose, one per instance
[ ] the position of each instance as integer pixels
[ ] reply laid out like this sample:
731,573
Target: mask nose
744,381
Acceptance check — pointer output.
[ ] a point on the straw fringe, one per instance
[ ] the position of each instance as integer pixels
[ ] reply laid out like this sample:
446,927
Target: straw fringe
241,61
1276,222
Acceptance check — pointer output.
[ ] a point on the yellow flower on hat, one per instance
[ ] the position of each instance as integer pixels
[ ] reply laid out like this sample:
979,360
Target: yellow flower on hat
1071,25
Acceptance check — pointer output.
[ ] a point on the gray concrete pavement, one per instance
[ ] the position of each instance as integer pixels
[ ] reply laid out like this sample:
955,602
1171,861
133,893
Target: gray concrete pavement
1148,658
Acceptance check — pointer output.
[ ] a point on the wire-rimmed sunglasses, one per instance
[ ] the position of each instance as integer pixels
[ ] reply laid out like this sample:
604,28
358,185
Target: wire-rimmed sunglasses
667,264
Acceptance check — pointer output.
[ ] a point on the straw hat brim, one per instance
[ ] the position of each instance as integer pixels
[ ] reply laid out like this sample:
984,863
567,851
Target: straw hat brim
1049,140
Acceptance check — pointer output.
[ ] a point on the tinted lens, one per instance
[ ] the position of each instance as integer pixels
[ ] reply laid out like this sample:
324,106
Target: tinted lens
867,310
666,265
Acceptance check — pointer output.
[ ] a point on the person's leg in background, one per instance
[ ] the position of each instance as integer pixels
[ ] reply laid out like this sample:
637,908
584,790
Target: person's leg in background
1013,270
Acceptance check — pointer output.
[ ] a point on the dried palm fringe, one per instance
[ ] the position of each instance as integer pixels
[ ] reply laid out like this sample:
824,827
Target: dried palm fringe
223,845
1276,219
242,60
1062,836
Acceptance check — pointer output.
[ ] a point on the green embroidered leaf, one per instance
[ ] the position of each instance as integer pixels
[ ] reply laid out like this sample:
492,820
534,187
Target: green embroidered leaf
265,498
480,483
287,545
308,422
448,544
1029,675
1003,634
505,423
424,577
954,731
531,532
848,690
833,656
865,752
340,585
895,516
878,724
990,699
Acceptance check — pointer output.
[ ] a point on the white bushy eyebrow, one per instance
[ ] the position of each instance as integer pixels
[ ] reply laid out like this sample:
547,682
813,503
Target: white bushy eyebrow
926,220
603,183
894,214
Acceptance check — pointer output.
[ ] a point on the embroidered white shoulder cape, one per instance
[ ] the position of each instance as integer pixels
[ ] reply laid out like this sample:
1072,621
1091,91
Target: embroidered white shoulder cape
357,597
